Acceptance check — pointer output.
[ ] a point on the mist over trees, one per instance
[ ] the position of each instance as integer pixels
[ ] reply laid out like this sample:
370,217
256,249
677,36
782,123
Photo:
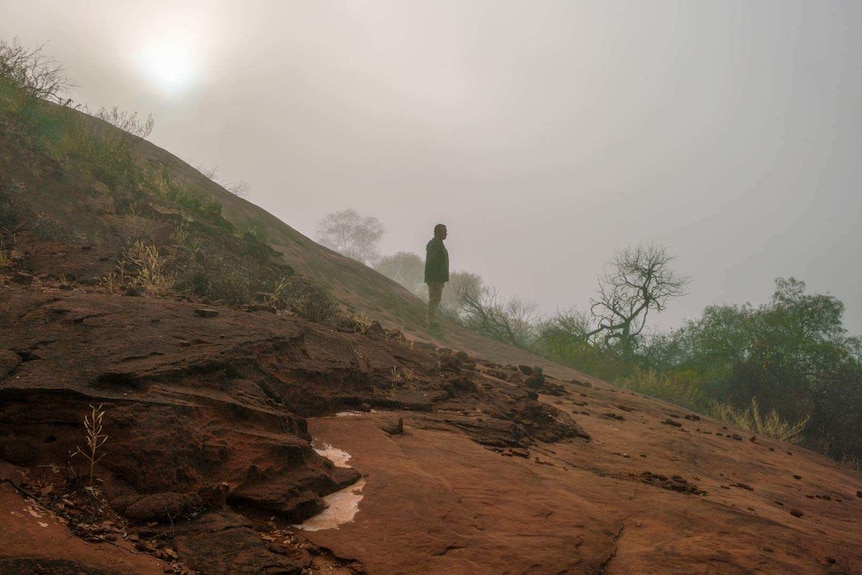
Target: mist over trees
351,235
407,269
786,368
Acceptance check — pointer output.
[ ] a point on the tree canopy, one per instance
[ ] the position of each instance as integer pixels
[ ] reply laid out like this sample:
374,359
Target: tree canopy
352,235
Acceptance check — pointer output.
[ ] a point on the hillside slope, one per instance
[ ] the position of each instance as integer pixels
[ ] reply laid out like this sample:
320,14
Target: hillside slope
469,459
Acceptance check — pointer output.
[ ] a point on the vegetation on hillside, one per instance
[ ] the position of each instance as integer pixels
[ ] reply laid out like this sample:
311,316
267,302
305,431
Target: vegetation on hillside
168,234
787,369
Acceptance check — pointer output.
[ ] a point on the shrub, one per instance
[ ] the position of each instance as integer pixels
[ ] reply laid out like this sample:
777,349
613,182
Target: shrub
680,389
150,268
50,230
211,275
751,419
5,258
11,205
312,302
32,73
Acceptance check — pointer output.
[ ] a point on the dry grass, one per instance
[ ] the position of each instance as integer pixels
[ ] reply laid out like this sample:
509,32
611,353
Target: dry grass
141,267
676,388
751,419
95,439
683,390
5,258
151,268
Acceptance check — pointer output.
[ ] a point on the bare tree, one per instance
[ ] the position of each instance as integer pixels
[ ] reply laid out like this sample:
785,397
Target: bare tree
459,282
126,121
640,280
37,75
513,321
351,235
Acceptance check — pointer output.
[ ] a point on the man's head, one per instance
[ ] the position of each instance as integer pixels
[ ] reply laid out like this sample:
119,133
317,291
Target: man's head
440,232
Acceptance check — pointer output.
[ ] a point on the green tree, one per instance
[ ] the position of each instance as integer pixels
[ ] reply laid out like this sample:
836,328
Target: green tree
792,355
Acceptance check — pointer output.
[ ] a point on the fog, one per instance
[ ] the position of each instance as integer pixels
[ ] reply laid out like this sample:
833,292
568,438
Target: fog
544,134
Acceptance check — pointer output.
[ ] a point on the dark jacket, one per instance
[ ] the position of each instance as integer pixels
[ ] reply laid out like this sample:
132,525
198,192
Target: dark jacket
436,262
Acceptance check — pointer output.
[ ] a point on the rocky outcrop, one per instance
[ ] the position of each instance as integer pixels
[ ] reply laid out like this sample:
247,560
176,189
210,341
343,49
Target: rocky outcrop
207,413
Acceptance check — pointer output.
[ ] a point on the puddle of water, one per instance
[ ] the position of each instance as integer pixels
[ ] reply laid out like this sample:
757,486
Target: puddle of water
341,506
353,413
338,457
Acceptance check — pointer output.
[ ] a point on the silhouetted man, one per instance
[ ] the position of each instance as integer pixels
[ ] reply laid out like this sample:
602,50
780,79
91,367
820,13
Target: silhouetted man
436,271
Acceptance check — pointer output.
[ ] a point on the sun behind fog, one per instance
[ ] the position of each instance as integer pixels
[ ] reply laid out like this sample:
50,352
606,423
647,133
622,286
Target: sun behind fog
169,65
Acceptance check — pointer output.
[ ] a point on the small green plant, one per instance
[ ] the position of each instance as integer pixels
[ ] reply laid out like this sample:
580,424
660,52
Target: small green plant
95,439
47,229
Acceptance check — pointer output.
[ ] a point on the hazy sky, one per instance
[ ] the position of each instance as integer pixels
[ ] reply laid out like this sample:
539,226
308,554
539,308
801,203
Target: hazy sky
545,134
